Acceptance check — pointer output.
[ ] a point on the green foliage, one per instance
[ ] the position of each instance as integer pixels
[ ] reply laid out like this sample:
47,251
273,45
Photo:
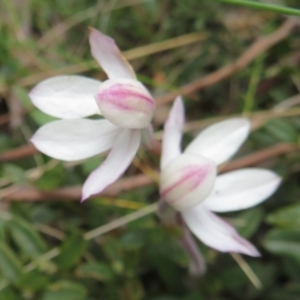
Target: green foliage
71,251
10,265
34,281
14,173
288,217
249,221
97,270
284,242
282,130
26,237
51,179
40,118
8,294
65,290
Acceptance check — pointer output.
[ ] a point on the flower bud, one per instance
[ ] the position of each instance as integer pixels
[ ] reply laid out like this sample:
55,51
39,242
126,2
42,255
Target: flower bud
187,180
126,103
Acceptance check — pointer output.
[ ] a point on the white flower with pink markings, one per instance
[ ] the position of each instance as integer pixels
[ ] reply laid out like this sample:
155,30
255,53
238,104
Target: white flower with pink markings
188,180
122,100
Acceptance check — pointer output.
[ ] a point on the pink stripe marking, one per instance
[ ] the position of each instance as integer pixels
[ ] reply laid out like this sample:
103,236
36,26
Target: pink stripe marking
123,88
194,174
111,99
123,91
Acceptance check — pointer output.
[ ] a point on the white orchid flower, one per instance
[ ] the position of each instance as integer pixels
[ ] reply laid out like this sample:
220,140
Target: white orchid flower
123,101
188,180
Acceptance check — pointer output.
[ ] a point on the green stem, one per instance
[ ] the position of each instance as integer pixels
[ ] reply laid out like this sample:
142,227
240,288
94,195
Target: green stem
254,80
262,6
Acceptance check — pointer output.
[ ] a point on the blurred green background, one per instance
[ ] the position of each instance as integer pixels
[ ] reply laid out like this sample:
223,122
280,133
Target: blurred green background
45,251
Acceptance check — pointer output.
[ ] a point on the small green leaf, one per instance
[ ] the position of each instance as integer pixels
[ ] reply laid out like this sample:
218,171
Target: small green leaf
288,216
41,118
27,238
8,294
65,290
89,165
249,221
9,264
22,95
160,258
284,242
14,173
34,281
96,270
71,251
132,240
112,249
51,179
3,224
282,130
5,142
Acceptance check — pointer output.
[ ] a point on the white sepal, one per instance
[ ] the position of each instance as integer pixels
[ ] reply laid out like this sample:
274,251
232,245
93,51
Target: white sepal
66,97
172,133
72,140
215,232
118,160
220,141
108,56
242,189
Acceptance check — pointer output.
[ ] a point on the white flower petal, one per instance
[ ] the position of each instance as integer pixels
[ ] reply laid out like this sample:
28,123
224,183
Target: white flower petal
172,133
77,139
66,97
118,160
108,56
221,140
216,233
242,189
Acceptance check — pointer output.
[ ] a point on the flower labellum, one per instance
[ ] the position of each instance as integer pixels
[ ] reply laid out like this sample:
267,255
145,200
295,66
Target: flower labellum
125,103
187,180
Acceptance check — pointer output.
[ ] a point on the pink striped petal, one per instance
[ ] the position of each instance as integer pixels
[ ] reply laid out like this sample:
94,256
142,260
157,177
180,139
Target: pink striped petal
126,103
109,57
221,140
172,133
187,180
242,189
118,160
72,140
66,97
216,233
